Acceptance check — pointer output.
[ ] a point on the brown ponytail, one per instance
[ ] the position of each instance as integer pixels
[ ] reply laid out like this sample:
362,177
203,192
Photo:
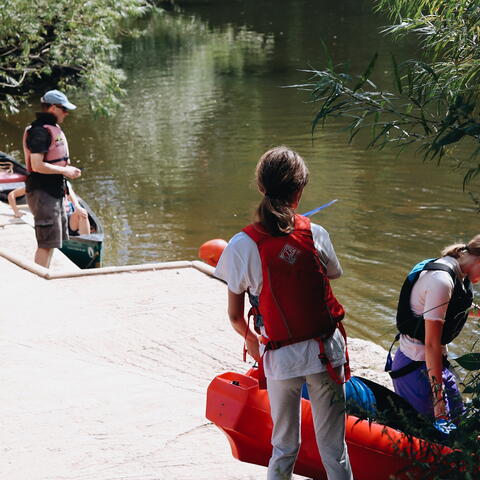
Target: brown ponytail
457,249
280,174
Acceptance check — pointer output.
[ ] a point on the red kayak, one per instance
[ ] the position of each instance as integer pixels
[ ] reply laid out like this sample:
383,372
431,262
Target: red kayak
12,175
242,411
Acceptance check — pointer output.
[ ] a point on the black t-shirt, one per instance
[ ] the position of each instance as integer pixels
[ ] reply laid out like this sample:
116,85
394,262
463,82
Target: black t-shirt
38,141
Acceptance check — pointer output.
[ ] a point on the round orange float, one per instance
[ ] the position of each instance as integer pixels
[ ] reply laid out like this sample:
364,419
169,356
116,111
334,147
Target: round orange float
210,251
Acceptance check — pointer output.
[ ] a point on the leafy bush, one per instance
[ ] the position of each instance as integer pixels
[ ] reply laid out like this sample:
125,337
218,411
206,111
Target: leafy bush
64,44
433,103
464,461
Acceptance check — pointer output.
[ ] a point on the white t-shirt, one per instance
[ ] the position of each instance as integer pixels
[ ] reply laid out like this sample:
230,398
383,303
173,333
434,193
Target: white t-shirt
430,296
241,267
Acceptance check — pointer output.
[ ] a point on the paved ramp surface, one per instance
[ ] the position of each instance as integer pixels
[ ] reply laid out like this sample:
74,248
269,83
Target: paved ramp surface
105,377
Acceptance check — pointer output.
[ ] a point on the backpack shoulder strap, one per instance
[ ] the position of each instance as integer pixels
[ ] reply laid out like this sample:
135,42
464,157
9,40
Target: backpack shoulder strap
440,266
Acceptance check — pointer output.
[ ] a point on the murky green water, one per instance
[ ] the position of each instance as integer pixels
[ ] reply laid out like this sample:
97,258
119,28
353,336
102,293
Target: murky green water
205,99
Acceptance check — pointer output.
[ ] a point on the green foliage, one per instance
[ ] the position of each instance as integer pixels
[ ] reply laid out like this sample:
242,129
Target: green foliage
433,101
470,361
437,456
461,459
65,44
463,462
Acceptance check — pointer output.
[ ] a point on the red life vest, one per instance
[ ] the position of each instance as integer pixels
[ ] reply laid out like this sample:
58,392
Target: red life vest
296,302
57,152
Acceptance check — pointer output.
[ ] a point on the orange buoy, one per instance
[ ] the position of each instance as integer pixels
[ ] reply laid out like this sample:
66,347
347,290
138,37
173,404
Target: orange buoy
210,251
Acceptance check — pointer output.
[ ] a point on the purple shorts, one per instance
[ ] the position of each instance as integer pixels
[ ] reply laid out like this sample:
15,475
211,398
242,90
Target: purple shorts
415,388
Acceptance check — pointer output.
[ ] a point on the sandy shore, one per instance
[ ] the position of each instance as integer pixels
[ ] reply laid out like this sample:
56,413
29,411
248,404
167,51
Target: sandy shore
104,377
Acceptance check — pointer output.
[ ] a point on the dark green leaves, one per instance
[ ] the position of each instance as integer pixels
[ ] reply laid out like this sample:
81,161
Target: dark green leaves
469,361
61,45
367,73
450,137
433,104
396,75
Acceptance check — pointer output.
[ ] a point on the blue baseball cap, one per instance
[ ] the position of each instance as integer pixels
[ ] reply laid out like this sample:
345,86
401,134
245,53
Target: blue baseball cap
55,97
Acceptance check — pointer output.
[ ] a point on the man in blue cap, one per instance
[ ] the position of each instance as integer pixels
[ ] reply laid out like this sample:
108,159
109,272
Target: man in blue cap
48,163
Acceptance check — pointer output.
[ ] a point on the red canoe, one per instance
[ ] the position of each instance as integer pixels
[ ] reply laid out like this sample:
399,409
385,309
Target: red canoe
7,177
242,411
12,175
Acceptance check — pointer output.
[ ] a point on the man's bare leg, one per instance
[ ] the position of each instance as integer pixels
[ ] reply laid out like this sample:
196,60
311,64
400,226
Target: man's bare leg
43,256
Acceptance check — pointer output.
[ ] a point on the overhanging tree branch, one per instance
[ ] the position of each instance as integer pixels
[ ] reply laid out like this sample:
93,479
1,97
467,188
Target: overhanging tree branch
434,100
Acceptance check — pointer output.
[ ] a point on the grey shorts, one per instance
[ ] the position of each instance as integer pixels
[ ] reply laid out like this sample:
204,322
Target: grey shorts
50,219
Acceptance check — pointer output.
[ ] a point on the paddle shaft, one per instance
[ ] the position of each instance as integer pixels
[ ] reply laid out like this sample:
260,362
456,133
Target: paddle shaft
315,210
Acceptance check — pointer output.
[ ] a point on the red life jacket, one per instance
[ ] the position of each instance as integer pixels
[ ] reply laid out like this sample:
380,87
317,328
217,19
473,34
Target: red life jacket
57,152
296,302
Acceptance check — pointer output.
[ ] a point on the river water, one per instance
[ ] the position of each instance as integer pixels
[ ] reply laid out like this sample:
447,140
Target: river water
206,97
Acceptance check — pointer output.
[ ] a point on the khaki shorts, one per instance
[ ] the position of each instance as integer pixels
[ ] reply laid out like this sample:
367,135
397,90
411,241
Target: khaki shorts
50,219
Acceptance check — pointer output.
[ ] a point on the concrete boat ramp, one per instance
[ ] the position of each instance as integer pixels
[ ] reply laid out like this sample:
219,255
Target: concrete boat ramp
103,373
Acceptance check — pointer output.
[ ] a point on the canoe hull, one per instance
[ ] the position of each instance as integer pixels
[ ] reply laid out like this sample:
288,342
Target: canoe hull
242,412
85,251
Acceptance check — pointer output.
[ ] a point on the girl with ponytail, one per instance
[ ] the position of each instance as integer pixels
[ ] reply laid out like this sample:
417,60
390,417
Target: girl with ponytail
280,182
433,307
284,264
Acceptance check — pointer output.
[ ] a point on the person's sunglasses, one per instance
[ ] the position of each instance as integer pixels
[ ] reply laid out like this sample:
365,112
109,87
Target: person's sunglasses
65,109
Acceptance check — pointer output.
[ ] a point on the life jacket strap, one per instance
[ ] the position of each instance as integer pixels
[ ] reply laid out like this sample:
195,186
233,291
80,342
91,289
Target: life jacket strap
326,361
414,365
275,345
253,312
409,367
262,379
250,314
389,361
63,159
347,371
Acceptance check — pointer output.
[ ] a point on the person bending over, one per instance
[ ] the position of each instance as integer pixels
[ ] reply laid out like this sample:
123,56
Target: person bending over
433,307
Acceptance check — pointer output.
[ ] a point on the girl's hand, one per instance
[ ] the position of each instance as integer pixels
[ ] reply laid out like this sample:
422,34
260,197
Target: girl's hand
253,347
440,409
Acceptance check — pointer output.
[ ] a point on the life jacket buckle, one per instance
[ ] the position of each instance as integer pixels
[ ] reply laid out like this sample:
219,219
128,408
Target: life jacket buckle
272,345
258,320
